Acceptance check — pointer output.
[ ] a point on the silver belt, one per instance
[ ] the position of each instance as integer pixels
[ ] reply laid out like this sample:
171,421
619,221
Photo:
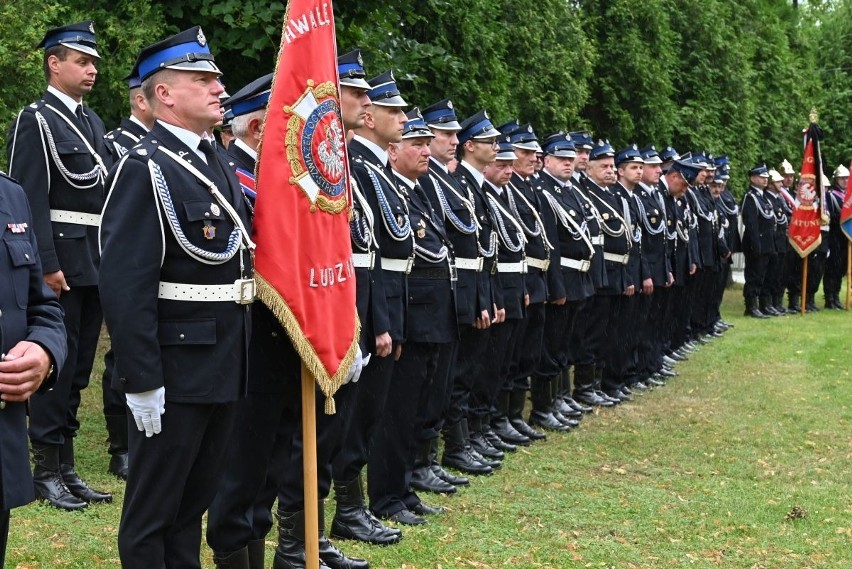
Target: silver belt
240,291
470,264
598,239
542,264
616,258
582,266
512,267
75,217
397,265
364,260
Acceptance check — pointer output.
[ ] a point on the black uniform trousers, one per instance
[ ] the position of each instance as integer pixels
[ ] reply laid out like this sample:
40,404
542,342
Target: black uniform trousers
835,267
53,414
703,300
622,339
165,528
653,319
558,324
114,400
470,356
367,404
683,314
527,351
597,323
395,440
720,284
434,407
756,266
774,269
495,367
677,307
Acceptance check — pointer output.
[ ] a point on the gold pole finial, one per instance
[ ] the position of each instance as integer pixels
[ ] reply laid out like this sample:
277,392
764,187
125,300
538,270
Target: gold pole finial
813,116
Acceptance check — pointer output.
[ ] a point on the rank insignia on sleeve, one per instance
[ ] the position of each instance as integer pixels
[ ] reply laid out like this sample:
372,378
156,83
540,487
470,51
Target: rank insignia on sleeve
17,227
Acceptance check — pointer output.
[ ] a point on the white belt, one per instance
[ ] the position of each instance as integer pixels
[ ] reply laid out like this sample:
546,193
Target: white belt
582,266
469,264
240,291
598,239
364,260
398,265
825,228
616,258
512,267
75,217
542,264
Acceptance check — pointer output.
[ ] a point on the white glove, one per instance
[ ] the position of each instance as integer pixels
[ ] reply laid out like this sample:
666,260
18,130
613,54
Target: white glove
357,365
147,408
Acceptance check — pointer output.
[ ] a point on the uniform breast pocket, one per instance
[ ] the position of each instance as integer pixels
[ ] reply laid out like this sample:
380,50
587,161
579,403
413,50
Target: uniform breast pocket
22,258
422,293
207,224
75,156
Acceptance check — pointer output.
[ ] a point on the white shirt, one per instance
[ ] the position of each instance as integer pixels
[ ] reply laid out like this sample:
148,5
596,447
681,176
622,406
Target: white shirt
187,137
477,175
66,99
137,121
381,153
439,165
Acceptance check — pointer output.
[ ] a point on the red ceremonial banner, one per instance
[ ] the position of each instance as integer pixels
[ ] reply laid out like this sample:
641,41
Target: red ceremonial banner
303,260
846,211
804,232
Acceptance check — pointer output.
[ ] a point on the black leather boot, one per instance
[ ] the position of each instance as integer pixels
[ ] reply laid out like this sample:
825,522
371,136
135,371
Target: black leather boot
508,425
478,442
541,414
422,477
517,400
238,559
766,306
352,520
76,484
256,554
457,451
794,305
810,304
117,434
48,481
584,387
778,304
495,440
752,310
290,552
440,472
329,554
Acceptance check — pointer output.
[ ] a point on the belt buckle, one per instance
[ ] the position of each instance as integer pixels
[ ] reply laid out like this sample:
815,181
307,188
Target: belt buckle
480,261
546,265
408,265
247,291
454,273
371,260
585,265
494,268
524,267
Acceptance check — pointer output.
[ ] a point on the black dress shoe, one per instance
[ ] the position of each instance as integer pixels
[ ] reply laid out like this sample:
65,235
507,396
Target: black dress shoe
666,372
546,420
592,398
449,477
505,429
336,559
463,461
80,489
560,405
424,509
603,395
480,444
619,394
576,405
352,520
424,479
496,441
569,422
639,386
525,429
49,486
407,518
492,462
655,382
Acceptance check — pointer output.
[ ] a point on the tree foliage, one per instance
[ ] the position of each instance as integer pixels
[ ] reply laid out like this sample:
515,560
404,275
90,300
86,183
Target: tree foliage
723,76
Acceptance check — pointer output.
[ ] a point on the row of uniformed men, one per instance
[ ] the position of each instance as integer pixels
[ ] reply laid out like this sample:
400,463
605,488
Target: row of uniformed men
771,264
470,283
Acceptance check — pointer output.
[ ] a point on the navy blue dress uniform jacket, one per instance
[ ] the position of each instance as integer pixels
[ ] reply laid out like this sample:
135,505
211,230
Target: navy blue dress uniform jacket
44,169
677,224
28,311
124,137
471,298
537,247
730,210
197,350
565,282
637,265
616,273
703,207
512,286
488,287
652,219
758,223
390,288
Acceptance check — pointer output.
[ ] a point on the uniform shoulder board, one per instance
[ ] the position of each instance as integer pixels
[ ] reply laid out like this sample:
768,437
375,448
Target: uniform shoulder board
359,160
35,106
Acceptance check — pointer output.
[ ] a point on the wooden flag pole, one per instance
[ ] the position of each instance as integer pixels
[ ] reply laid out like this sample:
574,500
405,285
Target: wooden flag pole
309,469
848,273
804,283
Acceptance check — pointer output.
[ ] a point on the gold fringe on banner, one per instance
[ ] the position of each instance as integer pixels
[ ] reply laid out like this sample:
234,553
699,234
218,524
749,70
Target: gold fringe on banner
328,384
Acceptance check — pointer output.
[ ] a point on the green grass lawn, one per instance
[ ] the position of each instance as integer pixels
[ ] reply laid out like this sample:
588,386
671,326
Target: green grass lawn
744,461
